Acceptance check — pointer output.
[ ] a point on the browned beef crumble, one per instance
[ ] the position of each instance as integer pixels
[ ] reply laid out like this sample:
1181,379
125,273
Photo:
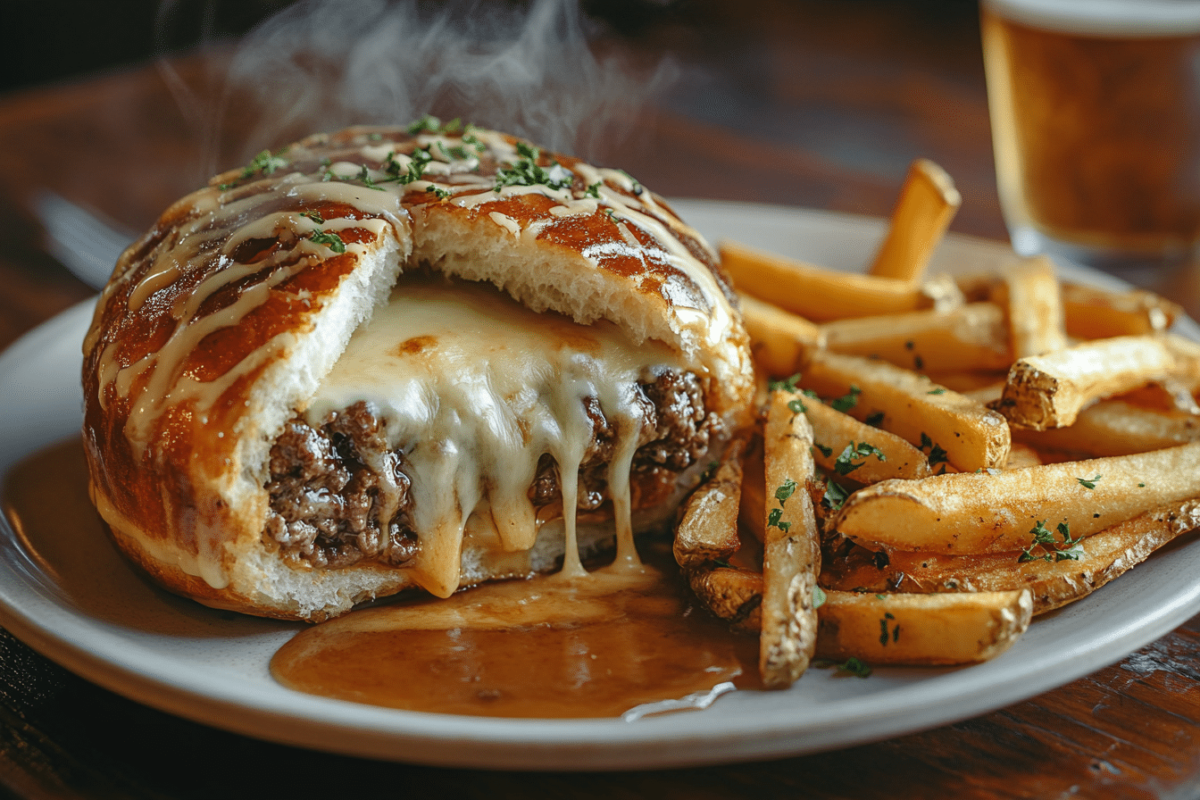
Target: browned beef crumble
325,482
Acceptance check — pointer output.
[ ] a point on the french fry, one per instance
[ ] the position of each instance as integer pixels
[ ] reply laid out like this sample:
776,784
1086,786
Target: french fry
1104,556
977,287
1022,455
791,546
940,292
928,201
969,382
815,293
921,629
780,340
1048,391
992,512
731,594
1030,292
1169,394
834,431
990,393
1117,428
1008,527
959,628
970,337
911,406
1187,358
708,530
1094,313
753,512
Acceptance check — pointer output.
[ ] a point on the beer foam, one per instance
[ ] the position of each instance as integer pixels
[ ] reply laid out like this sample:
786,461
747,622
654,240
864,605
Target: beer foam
1105,18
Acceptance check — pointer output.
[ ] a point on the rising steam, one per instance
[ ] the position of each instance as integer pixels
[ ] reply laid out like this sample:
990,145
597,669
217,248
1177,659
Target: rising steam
320,65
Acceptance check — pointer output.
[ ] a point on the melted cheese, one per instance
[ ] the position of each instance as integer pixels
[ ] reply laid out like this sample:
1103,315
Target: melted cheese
474,388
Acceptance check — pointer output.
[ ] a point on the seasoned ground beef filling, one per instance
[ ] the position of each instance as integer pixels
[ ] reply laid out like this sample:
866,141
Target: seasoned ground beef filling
329,486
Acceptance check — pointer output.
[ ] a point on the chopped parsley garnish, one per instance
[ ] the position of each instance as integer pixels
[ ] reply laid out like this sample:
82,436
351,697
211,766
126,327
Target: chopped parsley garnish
835,496
936,454
265,162
471,139
720,562
453,126
884,632
374,137
845,462
426,123
418,160
331,240
364,176
526,172
786,384
454,152
709,471
854,667
636,187
825,451
874,420
593,190
939,390
818,597
441,193
775,516
851,666
847,401
1069,550
315,216
1089,483
797,406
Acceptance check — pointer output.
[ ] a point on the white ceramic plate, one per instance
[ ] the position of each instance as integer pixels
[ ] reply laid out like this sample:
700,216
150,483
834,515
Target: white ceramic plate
81,605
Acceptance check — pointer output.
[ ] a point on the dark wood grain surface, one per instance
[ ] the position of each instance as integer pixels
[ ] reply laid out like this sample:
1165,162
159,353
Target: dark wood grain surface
810,104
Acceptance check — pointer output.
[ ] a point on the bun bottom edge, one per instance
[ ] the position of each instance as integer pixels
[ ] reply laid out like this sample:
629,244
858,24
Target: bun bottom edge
334,592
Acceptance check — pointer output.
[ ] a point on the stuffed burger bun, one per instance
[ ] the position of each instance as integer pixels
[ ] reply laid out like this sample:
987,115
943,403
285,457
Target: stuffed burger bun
403,357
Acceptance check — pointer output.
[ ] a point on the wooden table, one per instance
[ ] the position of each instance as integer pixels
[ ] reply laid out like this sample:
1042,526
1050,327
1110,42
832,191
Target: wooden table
814,104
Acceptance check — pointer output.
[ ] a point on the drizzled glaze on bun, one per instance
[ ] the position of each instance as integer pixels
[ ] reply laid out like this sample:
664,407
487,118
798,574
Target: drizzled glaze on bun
220,324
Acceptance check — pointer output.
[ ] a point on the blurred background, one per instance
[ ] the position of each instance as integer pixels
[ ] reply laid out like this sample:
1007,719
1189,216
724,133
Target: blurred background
849,91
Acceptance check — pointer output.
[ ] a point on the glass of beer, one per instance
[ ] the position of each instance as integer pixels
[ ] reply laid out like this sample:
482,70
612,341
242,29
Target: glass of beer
1095,108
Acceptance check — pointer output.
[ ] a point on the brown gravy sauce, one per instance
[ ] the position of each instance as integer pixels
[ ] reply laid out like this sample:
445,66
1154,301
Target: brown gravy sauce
601,644
616,642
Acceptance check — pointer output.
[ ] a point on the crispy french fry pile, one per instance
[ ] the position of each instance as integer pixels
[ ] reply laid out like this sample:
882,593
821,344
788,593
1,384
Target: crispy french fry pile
938,460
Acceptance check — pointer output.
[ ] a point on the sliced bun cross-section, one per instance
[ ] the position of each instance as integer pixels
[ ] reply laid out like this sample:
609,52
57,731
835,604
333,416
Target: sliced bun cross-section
391,358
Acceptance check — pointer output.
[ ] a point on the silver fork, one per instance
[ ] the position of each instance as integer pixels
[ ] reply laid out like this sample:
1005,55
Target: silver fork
82,240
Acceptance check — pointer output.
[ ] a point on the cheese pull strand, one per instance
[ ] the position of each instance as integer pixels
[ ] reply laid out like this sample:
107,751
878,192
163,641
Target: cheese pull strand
474,389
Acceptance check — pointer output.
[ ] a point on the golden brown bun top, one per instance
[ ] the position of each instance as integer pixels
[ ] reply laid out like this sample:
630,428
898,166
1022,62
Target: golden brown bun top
190,366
